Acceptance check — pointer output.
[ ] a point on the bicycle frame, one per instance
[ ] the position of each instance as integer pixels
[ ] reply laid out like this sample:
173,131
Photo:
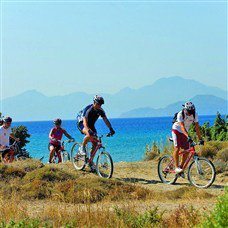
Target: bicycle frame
99,145
191,153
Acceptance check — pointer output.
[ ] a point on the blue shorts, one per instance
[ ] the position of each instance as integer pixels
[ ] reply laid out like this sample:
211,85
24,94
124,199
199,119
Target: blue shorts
81,126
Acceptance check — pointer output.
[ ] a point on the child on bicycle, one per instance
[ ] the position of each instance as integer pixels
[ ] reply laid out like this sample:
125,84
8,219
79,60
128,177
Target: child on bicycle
180,135
5,135
55,137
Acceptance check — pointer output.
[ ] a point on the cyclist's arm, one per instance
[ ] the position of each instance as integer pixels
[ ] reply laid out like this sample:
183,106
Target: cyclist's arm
198,130
13,137
108,124
66,134
50,137
183,129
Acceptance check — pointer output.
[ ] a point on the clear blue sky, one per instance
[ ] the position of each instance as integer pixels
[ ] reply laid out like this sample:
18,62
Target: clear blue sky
58,48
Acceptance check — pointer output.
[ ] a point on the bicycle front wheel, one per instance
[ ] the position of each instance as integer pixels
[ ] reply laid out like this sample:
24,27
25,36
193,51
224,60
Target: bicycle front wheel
166,170
78,161
104,165
201,173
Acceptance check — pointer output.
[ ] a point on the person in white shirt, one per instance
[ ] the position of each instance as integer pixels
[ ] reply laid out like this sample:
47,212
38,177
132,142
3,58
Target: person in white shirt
180,135
5,134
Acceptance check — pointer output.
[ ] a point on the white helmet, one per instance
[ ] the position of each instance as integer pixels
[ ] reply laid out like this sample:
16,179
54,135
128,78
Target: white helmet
189,106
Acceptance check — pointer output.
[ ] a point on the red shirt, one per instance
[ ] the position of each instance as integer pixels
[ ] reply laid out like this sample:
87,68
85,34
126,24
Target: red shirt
56,133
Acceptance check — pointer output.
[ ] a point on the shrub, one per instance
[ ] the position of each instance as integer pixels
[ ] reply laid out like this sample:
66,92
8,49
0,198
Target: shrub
219,216
223,154
152,152
208,151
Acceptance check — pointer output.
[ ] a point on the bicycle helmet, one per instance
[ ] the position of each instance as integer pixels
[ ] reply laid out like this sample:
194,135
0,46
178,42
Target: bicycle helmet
7,119
57,121
190,107
99,100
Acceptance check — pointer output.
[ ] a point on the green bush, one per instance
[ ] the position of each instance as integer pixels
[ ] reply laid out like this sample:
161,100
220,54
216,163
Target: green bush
217,132
223,155
219,216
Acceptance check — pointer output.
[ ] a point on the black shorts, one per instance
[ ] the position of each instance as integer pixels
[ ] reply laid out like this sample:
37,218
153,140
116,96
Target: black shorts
81,126
57,147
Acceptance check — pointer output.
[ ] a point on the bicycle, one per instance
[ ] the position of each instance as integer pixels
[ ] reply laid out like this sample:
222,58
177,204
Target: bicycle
14,153
65,156
104,163
201,171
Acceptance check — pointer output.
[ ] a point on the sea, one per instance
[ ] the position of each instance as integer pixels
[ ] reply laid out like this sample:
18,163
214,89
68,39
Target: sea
128,144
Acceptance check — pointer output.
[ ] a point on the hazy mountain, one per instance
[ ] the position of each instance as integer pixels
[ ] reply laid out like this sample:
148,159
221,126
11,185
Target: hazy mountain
205,105
33,105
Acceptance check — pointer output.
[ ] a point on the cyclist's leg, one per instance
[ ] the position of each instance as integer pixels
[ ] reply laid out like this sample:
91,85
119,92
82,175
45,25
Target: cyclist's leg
11,155
58,151
185,147
176,149
52,151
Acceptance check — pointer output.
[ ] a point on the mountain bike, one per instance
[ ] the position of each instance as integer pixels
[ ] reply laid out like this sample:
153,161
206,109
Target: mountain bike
104,163
13,154
201,171
65,156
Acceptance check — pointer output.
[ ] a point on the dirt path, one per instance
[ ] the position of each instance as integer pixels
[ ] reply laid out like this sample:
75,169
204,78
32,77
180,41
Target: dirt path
145,174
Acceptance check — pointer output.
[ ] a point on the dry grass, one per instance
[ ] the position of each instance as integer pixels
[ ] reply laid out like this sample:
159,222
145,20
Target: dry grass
34,195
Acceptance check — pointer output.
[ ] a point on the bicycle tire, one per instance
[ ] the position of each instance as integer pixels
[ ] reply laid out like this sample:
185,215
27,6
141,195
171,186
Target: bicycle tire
104,165
204,170
78,161
163,170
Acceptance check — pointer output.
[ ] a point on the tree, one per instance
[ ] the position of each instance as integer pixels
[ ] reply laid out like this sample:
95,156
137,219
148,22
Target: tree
21,132
219,130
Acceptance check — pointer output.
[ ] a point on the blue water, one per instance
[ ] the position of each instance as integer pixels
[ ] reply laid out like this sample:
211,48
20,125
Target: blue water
128,144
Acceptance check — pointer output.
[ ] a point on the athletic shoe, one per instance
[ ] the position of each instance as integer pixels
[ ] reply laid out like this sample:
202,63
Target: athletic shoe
178,170
82,151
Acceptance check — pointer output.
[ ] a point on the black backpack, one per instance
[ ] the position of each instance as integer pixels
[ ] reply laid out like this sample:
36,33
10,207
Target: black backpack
183,116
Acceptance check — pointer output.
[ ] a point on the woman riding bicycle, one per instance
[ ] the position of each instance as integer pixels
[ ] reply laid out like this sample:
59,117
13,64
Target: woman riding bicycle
55,137
180,135
5,135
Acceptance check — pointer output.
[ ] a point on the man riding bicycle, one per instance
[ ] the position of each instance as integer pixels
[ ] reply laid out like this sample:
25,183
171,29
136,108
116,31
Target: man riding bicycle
55,137
5,135
86,122
180,135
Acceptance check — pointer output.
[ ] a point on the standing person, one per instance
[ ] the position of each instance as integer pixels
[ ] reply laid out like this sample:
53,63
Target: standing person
180,135
86,121
55,137
5,135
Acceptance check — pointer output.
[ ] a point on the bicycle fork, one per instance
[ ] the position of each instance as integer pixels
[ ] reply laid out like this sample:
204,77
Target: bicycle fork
198,165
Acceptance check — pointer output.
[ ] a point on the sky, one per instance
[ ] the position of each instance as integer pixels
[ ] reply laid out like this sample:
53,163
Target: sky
61,47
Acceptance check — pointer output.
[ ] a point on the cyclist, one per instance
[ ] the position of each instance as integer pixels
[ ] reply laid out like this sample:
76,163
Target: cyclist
180,135
87,121
5,135
55,137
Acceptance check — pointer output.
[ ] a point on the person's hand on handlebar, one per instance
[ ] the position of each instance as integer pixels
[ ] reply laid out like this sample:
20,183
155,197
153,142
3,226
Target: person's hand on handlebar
111,133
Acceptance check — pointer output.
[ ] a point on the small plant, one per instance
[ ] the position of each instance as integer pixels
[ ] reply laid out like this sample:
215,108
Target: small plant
152,152
218,217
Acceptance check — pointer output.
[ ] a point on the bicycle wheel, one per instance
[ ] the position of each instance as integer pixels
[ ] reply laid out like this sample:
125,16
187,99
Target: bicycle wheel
166,170
201,173
104,165
79,161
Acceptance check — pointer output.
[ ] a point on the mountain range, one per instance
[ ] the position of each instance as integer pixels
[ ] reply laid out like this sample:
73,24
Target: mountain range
159,99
